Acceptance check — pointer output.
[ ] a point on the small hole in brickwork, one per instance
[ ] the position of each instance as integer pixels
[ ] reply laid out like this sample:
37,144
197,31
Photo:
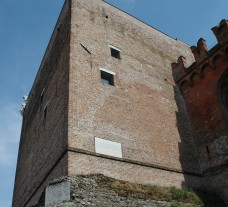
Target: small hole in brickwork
115,53
165,79
208,151
106,17
58,29
45,113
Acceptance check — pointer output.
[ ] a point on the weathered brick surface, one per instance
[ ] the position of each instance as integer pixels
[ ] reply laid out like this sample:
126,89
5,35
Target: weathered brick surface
145,110
87,164
208,121
202,92
58,171
44,140
210,127
141,110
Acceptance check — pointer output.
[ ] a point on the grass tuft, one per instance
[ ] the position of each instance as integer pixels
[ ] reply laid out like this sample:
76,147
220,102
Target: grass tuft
176,196
156,193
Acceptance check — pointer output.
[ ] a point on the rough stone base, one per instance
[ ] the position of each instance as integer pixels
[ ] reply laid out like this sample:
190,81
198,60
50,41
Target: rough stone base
94,190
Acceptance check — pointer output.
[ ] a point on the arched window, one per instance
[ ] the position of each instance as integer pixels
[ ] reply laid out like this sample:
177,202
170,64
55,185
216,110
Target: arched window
223,91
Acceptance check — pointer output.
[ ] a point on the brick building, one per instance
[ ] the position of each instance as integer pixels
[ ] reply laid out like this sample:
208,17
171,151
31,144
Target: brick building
106,100
204,88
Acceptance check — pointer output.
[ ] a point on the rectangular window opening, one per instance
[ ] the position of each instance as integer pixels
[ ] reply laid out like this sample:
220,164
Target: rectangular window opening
107,78
115,53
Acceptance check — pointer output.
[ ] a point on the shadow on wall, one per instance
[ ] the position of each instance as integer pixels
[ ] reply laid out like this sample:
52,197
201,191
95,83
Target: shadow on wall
193,178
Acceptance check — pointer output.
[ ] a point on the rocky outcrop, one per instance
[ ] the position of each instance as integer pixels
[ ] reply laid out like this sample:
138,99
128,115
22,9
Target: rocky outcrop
98,190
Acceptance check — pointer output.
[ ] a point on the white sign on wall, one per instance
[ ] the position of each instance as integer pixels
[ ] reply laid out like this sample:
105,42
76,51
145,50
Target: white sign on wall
107,147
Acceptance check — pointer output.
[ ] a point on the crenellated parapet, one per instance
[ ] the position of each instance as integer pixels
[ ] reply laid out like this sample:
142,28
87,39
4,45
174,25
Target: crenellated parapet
200,51
221,32
205,60
179,68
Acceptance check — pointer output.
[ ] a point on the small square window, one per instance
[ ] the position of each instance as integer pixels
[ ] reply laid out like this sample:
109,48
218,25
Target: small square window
115,53
107,78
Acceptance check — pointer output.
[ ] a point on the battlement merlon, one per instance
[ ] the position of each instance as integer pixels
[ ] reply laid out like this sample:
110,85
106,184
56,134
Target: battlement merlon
179,68
221,32
200,51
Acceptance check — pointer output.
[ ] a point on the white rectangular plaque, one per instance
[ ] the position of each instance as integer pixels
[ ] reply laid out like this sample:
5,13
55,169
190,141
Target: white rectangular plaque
107,147
57,193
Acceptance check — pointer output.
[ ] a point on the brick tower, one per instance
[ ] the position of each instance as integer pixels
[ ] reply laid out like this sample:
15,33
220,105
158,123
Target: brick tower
204,86
104,101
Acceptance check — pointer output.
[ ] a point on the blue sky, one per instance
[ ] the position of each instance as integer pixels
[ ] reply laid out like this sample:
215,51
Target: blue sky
26,26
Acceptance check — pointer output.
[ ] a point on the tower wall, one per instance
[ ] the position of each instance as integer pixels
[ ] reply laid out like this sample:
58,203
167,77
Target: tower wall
43,141
144,111
168,134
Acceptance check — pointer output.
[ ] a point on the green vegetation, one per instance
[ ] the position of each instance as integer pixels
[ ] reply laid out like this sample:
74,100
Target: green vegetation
185,195
176,196
157,193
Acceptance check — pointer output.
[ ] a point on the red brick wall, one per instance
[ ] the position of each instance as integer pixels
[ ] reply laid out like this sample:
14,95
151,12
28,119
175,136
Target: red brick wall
203,103
201,89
